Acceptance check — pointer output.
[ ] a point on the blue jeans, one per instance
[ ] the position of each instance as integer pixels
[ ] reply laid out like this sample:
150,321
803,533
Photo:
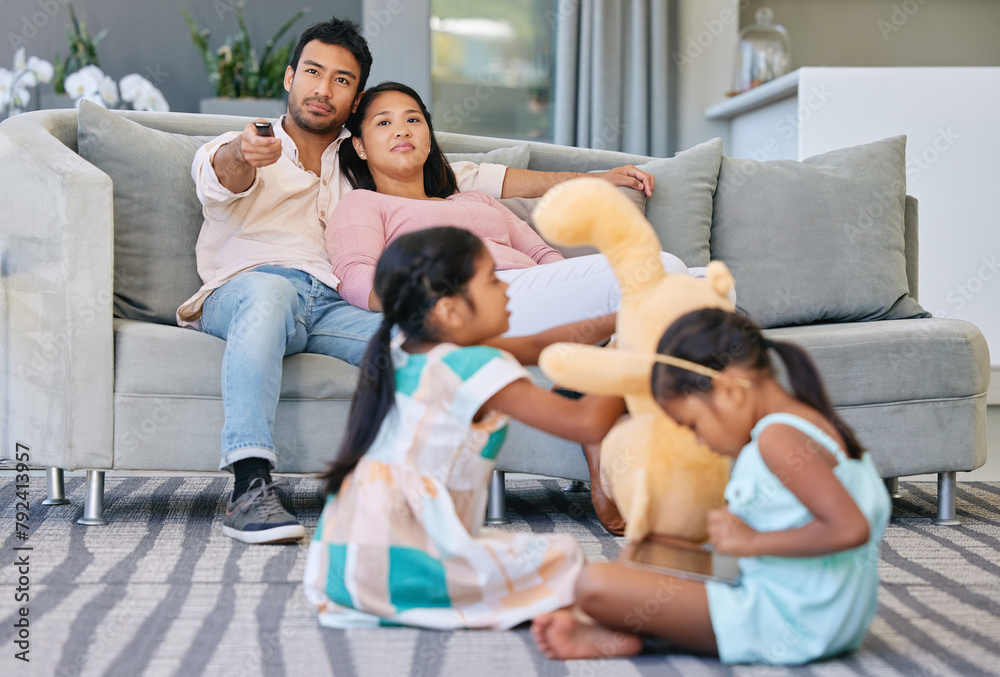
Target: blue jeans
264,315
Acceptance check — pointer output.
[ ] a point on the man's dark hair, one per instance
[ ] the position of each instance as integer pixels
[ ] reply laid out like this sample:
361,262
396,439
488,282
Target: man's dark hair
342,32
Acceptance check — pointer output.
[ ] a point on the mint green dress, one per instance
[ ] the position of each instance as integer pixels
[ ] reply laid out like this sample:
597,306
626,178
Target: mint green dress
791,610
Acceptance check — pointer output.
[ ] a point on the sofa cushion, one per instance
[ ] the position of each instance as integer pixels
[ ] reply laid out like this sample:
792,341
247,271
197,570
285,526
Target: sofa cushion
680,208
819,240
153,360
516,156
157,213
872,363
524,207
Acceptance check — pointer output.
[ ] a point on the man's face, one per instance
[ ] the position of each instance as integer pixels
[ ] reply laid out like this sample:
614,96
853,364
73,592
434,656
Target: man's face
323,89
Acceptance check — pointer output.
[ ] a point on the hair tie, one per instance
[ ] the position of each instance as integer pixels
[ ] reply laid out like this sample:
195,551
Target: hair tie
766,344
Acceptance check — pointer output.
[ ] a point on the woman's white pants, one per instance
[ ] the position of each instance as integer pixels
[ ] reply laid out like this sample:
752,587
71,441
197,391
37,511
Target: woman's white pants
580,288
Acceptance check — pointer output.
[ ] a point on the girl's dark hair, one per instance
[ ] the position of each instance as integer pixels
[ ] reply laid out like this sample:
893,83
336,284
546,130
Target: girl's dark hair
342,32
413,272
717,338
439,179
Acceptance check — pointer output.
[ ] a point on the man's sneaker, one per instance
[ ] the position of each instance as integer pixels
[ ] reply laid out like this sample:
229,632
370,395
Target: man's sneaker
258,516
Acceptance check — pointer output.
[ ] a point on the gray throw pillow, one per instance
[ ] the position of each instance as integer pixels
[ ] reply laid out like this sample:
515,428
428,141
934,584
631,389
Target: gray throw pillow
819,240
156,210
524,207
512,156
680,208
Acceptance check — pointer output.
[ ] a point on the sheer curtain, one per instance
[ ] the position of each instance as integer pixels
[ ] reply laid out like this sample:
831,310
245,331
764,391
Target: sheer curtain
613,76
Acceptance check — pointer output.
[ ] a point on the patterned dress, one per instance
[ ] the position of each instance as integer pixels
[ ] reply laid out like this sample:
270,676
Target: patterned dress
790,610
401,542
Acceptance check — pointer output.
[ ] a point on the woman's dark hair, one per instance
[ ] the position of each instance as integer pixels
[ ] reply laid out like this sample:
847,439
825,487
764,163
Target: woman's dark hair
716,339
341,32
439,179
413,272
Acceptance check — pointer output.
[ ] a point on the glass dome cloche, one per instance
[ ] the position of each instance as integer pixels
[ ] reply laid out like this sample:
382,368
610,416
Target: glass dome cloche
763,54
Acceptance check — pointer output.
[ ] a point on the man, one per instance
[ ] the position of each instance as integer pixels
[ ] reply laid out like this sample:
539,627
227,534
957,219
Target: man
269,286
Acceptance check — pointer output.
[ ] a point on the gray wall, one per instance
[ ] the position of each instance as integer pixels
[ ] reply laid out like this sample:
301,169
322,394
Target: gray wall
887,32
150,37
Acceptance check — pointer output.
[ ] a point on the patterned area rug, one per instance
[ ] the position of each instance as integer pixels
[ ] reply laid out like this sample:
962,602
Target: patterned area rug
160,591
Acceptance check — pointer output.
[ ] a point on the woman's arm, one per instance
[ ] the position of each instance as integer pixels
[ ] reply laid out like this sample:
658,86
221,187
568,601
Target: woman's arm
803,466
531,183
355,239
526,349
584,420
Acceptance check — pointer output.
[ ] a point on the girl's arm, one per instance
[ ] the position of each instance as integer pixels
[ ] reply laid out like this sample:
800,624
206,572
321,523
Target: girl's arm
806,469
584,420
355,239
526,349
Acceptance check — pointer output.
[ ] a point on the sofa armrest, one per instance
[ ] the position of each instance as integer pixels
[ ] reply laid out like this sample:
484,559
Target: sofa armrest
56,284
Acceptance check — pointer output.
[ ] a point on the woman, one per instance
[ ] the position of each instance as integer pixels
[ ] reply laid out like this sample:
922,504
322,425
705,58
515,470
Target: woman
408,186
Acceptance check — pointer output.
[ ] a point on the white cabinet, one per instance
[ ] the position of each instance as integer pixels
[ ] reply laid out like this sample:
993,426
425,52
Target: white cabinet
951,117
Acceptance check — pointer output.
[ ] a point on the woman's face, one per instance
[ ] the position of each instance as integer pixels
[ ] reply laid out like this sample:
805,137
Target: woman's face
395,139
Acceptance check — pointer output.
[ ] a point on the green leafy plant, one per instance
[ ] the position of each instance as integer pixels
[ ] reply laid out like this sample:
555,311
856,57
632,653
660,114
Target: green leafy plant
234,71
82,51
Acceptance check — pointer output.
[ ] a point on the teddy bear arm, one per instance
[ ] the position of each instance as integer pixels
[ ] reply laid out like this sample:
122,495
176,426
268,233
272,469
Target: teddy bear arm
602,371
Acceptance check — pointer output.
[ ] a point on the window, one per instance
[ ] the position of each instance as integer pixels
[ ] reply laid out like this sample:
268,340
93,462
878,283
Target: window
492,67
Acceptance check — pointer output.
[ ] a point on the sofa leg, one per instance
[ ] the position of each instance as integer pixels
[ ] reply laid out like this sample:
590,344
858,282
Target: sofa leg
946,500
892,486
55,487
496,506
575,486
93,505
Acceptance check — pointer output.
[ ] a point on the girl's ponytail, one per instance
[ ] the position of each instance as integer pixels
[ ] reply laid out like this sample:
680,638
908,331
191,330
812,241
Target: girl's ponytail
413,272
808,387
372,402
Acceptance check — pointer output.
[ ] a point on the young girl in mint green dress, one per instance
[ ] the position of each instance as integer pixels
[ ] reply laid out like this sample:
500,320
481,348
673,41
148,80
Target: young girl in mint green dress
400,541
806,511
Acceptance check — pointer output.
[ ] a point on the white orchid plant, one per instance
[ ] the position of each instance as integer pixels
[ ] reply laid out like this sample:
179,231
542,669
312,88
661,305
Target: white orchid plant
133,91
16,85
89,83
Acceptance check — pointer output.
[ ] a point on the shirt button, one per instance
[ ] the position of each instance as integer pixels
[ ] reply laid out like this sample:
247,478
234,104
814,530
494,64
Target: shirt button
323,214
324,182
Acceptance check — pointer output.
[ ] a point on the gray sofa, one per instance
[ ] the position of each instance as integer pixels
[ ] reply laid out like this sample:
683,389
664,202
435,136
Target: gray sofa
95,376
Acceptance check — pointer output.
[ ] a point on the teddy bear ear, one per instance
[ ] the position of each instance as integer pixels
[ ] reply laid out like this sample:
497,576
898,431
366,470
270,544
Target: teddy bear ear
718,275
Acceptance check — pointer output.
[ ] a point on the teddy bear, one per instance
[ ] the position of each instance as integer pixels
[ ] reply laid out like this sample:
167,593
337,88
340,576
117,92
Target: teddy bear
663,480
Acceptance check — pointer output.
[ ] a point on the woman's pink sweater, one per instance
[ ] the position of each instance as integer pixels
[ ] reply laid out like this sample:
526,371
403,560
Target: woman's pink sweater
365,222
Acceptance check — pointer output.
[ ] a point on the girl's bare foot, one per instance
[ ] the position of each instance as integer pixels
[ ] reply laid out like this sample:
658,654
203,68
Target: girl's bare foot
567,634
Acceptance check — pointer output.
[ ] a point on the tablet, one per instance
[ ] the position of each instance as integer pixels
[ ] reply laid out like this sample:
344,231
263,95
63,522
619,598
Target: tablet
685,560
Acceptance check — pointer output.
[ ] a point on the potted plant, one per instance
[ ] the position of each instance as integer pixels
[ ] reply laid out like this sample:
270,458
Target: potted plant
16,85
242,83
80,77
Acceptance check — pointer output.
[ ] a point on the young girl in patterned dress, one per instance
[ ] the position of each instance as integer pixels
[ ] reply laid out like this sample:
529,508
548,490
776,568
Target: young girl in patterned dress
806,511
399,539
